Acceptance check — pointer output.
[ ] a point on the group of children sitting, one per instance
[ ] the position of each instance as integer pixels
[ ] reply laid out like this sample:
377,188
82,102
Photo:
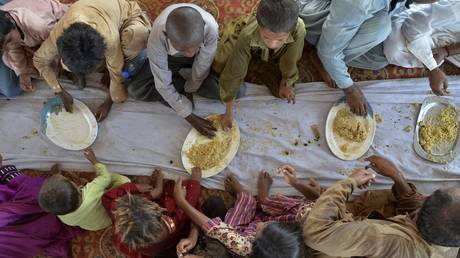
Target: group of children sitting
41,215
181,52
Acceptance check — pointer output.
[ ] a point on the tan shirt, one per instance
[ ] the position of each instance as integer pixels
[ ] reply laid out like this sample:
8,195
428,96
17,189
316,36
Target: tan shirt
332,231
105,16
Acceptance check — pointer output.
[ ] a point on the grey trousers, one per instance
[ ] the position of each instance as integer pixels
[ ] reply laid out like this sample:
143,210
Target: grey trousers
365,49
142,85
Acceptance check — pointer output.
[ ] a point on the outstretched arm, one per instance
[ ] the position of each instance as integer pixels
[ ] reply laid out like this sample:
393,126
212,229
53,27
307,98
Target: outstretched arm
311,189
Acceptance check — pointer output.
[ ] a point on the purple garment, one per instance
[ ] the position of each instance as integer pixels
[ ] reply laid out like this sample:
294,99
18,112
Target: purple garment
25,229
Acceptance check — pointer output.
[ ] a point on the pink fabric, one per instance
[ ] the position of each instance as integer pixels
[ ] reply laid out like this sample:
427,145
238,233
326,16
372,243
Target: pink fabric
35,18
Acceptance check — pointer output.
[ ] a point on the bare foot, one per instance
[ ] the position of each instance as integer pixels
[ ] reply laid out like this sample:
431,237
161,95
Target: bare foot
232,185
264,182
196,174
55,169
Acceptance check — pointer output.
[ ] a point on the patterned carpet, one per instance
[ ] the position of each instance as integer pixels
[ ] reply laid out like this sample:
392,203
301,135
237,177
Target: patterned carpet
98,244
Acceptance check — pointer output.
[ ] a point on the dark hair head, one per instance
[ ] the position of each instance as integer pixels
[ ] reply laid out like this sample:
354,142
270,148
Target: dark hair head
278,15
279,240
58,196
439,221
6,25
214,207
81,48
138,221
185,27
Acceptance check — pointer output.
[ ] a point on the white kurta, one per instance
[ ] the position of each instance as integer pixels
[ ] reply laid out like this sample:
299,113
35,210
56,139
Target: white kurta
418,30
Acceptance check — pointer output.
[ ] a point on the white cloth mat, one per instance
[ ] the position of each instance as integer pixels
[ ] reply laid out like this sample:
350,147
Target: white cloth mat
139,136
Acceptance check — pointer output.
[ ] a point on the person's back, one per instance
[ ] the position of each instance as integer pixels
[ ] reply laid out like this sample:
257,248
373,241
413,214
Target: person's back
430,232
80,206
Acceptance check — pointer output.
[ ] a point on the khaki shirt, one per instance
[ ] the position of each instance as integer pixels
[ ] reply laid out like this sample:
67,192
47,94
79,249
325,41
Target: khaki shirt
334,232
105,16
241,42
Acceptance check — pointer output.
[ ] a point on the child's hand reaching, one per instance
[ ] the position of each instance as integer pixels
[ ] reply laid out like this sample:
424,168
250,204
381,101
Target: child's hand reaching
289,174
184,246
179,191
1,160
90,156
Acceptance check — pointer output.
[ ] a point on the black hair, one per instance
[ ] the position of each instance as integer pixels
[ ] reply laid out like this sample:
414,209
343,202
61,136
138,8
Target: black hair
278,15
58,195
81,48
439,221
214,207
185,27
6,25
279,240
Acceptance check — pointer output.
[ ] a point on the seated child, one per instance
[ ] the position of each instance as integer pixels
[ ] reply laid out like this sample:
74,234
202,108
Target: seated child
80,206
269,43
25,229
199,245
180,50
146,223
24,25
271,234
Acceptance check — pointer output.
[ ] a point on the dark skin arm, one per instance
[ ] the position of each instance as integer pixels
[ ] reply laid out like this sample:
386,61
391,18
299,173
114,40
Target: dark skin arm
386,168
311,189
356,100
104,109
179,195
67,100
202,125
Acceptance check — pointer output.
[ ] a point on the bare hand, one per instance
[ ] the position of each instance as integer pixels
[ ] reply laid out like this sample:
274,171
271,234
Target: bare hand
90,156
438,82
287,92
184,246
203,126
104,110
289,174
363,178
1,160
356,100
314,185
144,188
227,121
439,54
179,191
26,83
383,166
196,174
157,177
67,100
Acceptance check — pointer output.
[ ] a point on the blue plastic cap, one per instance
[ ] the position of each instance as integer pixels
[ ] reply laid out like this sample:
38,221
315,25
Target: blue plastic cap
125,74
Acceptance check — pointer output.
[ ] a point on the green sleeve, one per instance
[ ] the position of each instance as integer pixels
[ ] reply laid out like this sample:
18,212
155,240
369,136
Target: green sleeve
289,60
235,69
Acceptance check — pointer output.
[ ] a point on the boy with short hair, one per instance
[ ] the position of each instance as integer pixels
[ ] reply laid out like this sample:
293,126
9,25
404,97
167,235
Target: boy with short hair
80,206
181,48
269,43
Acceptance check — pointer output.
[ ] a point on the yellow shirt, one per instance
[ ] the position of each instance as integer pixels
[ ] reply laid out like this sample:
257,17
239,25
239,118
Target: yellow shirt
91,215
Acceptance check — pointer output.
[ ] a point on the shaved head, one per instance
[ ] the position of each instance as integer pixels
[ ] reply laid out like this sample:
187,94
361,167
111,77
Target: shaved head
185,27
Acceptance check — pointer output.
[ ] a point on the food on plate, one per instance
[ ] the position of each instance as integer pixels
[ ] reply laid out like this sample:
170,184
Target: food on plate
442,129
207,153
350,126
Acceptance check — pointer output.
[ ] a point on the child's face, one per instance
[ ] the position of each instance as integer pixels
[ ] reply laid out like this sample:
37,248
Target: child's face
273,40
186,51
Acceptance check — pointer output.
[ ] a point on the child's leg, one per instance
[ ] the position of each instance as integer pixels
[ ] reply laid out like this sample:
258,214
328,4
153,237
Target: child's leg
244,209
279,205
